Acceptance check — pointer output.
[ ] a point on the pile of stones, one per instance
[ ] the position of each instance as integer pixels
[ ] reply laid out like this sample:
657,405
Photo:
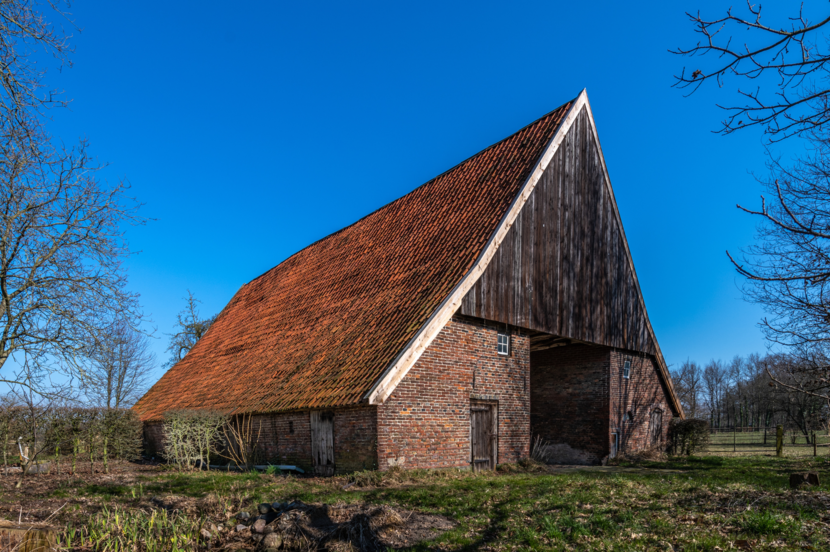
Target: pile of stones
271,524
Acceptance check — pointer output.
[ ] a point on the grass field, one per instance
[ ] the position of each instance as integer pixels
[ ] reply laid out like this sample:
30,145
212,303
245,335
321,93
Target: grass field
695,504
752,443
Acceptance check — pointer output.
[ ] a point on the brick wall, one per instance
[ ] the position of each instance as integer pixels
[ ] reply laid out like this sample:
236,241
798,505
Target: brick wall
291,439
426,421
569,402
574,397
355,439
286,439
633,400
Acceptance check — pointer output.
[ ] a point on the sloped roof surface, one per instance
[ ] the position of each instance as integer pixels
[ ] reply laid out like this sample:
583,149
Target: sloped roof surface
321,327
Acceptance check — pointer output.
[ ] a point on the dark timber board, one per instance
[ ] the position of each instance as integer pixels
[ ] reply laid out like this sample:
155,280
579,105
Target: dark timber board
563,269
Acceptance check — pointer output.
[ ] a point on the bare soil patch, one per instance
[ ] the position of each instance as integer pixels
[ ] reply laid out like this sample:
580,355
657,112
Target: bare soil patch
63,498
337,527
48,496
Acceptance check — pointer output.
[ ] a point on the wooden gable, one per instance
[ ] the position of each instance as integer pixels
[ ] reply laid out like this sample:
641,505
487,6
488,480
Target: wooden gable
564,267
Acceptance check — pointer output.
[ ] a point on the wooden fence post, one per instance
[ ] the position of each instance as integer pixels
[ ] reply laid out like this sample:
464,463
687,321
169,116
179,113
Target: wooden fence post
779,440
815,451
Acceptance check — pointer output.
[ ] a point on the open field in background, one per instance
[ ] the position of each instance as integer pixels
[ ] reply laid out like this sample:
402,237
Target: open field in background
688,504
752,443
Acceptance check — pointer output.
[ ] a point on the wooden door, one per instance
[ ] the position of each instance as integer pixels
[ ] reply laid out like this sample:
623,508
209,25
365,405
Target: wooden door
656,426
483,435
322,442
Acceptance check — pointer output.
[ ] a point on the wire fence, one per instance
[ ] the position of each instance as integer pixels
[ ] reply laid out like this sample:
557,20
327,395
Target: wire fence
759,440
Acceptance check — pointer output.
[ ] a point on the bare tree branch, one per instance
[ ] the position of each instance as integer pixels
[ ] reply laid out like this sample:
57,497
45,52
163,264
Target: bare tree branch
788,59
120,365
190,327
62,230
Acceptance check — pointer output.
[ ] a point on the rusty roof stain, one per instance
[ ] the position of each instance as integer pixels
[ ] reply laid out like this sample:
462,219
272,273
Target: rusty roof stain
319,329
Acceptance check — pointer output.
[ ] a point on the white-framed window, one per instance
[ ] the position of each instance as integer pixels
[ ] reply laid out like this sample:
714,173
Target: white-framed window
627,369
503,346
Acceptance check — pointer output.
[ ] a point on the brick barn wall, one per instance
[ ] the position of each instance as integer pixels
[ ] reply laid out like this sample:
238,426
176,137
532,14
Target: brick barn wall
638,395
291,439
426,421
569,402
355,439
286,439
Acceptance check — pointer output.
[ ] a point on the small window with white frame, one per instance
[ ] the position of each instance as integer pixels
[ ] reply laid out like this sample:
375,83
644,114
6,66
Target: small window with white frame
503,344
627,369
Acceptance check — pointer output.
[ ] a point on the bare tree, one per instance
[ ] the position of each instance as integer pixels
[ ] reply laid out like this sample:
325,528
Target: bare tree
782,67
688,383
190,327
714,383
62,242
801,379
24,30
759,391
119,367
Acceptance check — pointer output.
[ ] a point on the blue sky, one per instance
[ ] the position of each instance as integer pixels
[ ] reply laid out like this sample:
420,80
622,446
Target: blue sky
250,130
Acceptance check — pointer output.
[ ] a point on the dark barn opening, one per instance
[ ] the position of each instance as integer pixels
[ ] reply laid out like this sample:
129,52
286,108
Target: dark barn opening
568,399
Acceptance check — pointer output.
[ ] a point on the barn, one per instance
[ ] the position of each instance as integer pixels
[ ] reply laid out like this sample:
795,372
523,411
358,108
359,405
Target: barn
495,305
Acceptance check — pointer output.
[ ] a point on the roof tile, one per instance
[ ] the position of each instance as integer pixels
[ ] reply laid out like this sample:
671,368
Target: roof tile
321,327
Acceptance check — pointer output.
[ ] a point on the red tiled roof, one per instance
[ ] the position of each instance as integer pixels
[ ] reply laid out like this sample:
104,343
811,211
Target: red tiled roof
321,327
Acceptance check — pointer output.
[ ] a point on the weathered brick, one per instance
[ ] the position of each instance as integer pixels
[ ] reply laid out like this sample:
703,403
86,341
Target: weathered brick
572,396
461,364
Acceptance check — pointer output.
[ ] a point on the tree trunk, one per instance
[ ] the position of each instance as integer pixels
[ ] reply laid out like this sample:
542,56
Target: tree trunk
27,537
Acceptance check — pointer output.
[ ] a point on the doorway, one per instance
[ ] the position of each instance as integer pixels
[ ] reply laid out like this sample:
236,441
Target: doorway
484,442
322,442
656,426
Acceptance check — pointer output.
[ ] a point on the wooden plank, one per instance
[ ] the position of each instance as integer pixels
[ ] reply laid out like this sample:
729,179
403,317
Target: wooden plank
538,274
322,442
483,435
563,267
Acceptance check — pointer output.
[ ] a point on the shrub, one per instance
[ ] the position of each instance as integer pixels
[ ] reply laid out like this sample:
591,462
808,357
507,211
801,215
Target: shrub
191,435
241,441
688,436
121,433
67,434
541,450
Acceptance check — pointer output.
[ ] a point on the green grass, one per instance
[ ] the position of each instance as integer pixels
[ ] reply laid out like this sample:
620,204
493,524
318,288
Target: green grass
688,504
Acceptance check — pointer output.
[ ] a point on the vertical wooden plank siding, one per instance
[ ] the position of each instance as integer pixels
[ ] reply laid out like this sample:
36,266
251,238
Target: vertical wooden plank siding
322,442
563,268
483,435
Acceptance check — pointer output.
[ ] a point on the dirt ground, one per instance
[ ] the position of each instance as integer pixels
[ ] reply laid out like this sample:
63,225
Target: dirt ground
47,496
62,499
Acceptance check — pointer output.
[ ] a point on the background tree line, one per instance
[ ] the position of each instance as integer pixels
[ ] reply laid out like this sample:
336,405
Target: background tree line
741,393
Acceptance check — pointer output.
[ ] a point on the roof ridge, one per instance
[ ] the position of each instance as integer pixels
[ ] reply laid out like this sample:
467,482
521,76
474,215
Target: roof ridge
433,179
